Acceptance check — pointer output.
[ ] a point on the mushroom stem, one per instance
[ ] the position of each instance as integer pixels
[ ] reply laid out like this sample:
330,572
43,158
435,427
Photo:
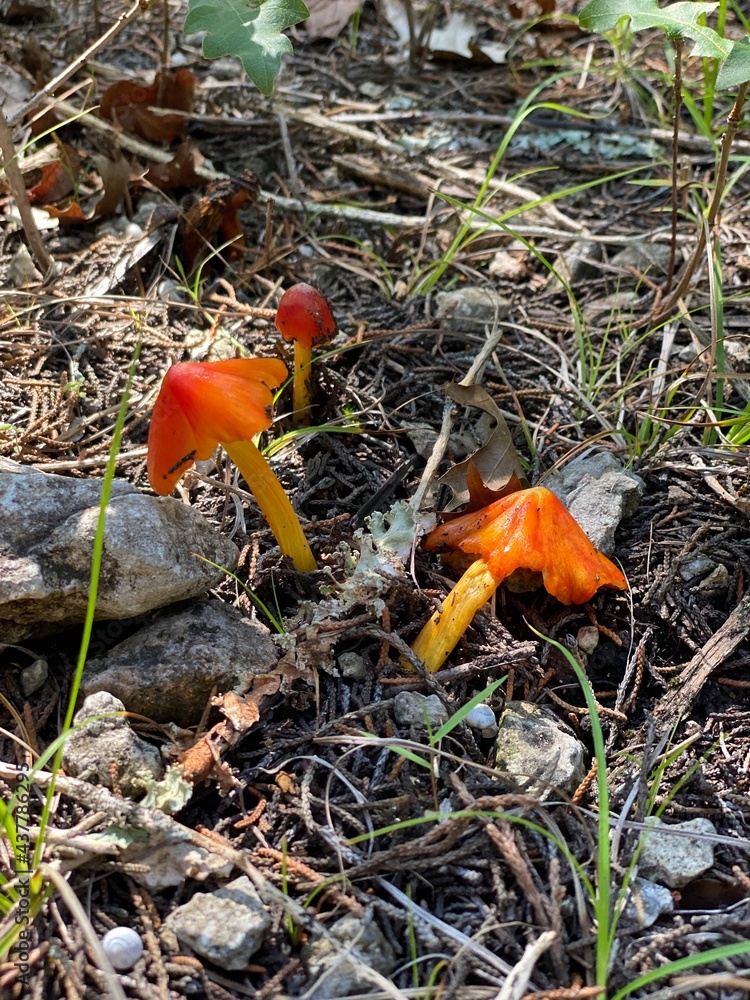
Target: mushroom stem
302,396
273,502
436,641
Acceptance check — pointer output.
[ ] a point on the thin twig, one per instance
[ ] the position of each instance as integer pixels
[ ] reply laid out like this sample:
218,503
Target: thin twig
78,63
678,45
733,123
21,197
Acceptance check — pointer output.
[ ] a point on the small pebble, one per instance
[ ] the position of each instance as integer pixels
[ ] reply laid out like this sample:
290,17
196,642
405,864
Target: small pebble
123,947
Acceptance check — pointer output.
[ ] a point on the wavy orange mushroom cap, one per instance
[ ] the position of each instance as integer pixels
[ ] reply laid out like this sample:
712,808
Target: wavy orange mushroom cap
202,404
305,318
530,529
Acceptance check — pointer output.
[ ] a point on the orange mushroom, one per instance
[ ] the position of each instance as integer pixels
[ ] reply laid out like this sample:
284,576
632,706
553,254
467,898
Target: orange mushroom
202,404
529,529
304,317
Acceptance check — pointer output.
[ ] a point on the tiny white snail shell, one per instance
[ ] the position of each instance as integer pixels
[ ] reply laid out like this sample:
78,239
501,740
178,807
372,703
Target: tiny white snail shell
123,947
483,718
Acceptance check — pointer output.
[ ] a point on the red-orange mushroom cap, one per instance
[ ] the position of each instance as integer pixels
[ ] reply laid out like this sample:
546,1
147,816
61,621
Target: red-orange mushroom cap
529,529
304,316
203,403
532,529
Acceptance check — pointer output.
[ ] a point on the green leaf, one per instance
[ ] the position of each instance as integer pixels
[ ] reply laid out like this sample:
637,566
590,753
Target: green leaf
677,19
249,29
736,69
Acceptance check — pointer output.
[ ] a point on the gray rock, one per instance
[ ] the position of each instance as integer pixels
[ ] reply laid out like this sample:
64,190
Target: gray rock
34,676
533,743
676,860
226,926
168,865
410,709
599,494
471,307
580,263
340,975
352,665
645,901
648,258
696,566
166,671
587,639
47,526
716,582
91,749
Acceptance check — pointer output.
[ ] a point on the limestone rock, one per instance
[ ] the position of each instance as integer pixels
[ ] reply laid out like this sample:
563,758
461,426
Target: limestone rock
599,494
533,743
411,708
645,901
170,864
675,860
471,307
226,926
91,749
341,976
47,526
166,671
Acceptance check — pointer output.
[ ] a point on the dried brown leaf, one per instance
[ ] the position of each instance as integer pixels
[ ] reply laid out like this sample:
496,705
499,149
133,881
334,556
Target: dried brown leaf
328,18
127,103
181,171
213,218
495,469
58,178
115,175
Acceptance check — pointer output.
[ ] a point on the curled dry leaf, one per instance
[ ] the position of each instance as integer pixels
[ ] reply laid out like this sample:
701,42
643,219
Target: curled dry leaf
213,218
181,171
128,104
115,175
328,18
58,179
495,469
203,760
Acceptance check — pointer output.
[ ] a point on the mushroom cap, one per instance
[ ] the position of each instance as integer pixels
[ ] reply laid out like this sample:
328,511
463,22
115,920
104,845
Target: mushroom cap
202,403
531,529
304,316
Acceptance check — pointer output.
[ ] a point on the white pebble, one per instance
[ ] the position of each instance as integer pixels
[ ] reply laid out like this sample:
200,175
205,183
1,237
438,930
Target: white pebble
123,947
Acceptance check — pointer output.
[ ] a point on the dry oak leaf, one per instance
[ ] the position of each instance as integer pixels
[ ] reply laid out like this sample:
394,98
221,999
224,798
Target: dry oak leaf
203,760
328,18
115,175
59,178
181,171
213,218
495,469
128,103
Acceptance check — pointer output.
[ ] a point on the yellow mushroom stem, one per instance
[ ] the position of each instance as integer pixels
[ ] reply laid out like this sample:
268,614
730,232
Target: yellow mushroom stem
302,391
436,641
273,502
